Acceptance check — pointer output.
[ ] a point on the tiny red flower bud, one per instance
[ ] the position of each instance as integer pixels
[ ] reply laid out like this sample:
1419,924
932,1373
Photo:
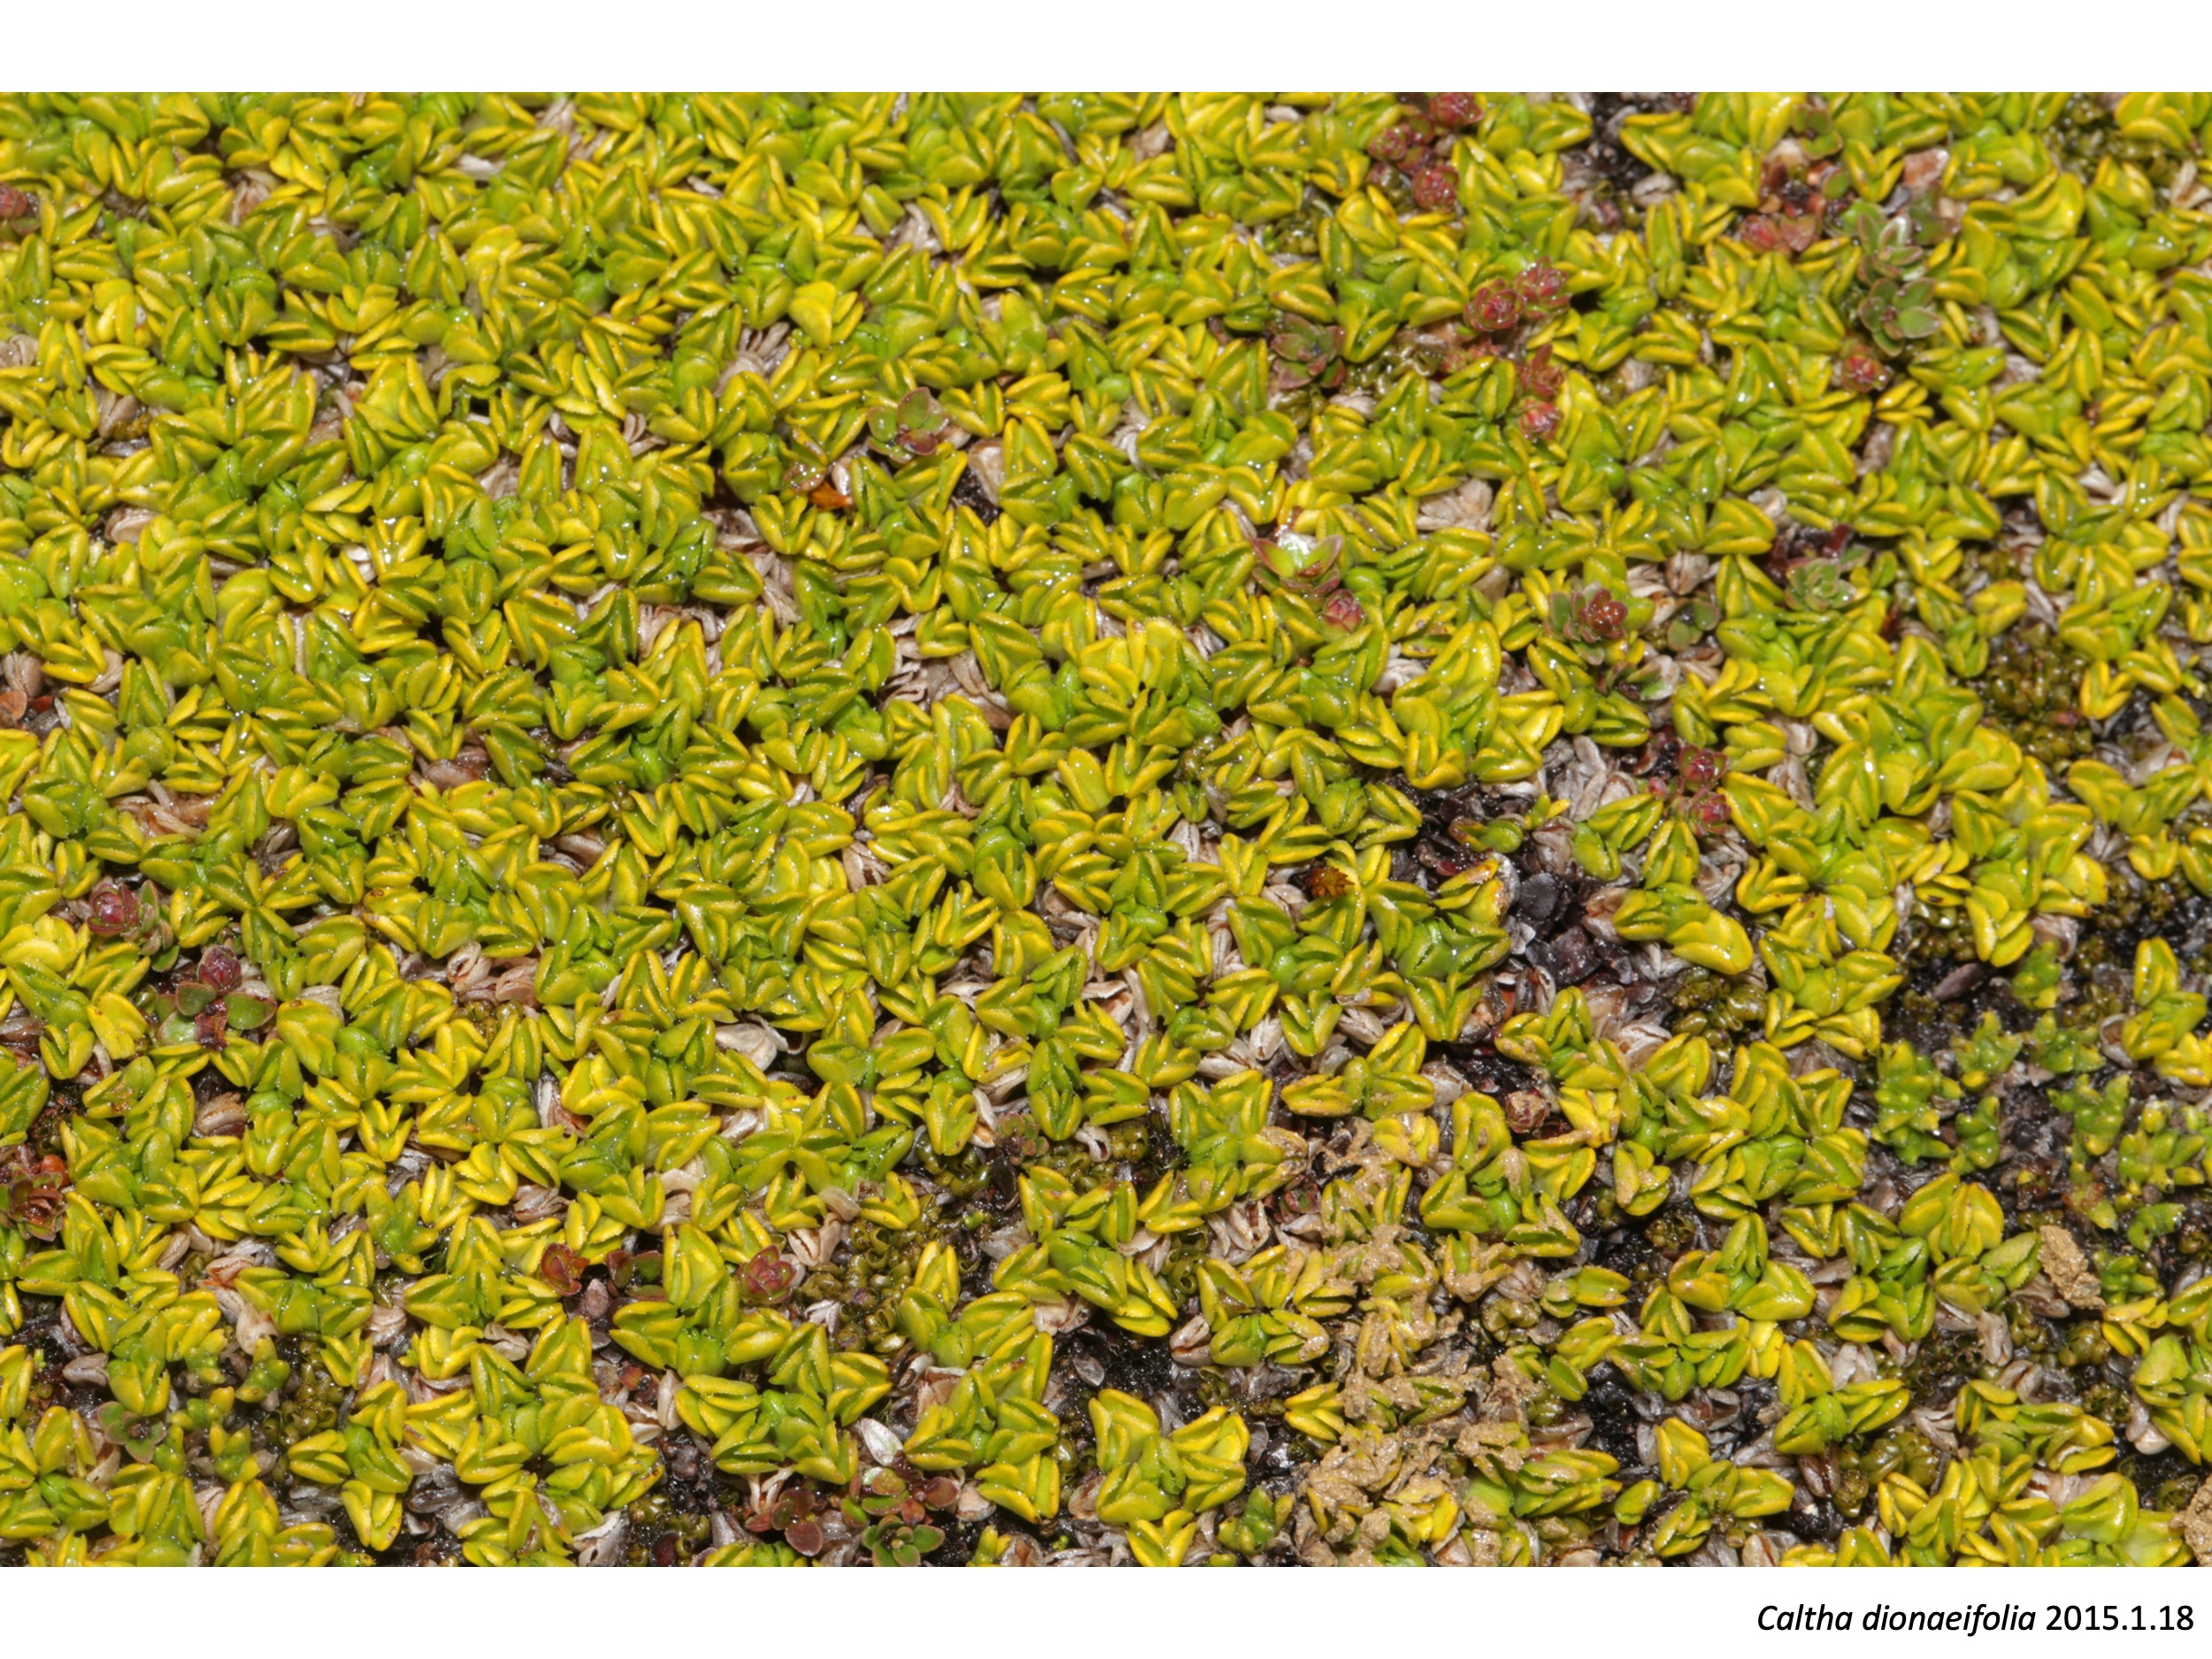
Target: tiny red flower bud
1541,289
1703,767
1453,109
1862,372
1540,376
769,1277
1436,189
1605,617
115,910
1539,420
1494,308
1525,1111
219,968
1392,145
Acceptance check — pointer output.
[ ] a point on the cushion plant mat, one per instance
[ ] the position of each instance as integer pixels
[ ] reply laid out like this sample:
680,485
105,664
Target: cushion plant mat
1095,829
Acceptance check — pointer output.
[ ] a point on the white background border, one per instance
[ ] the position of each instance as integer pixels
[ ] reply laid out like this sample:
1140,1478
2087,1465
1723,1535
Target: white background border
440,44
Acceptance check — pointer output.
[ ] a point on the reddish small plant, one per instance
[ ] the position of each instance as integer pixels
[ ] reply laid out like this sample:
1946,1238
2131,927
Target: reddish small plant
940,1492
1540,376
1494,308
563,1269
32,1191
1525,1111
114,911
1541,289
1858,369
1393,144
1701,768
793,1512
220,969
1694,790
1781,233
1306,353
1454,111
1592,616
1435,188
769,1277
1539,420
1709,812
